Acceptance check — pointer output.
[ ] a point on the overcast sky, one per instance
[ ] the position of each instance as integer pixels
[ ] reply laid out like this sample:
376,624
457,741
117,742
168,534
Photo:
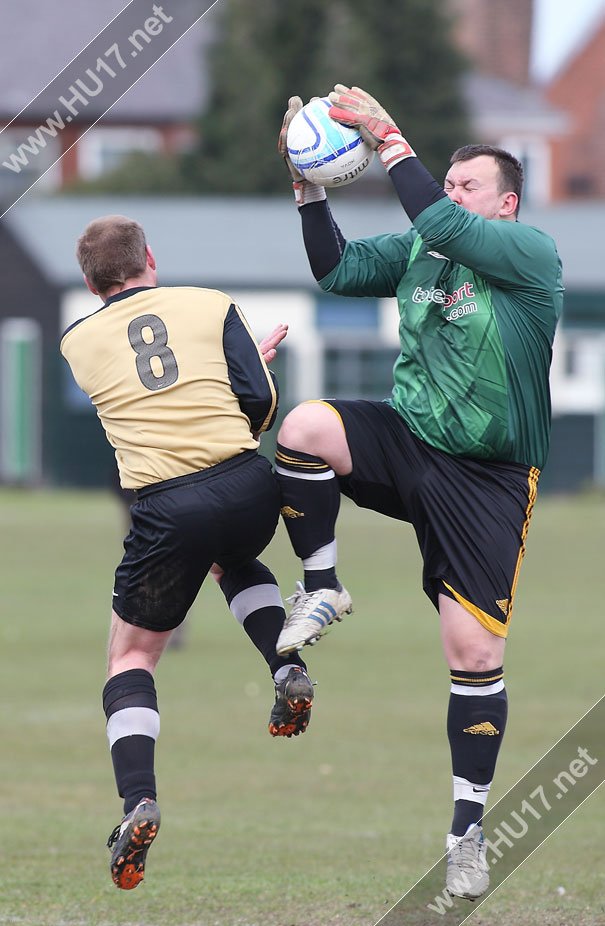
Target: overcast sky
558,25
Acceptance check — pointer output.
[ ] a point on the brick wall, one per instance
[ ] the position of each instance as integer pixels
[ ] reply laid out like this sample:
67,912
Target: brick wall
495,35
578,160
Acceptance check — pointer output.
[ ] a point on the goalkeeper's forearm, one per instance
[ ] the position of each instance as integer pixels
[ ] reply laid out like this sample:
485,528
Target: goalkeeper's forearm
416,187
323,239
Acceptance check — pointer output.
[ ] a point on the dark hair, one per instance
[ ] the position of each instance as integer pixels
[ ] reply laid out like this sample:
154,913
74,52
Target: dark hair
511,169
111,250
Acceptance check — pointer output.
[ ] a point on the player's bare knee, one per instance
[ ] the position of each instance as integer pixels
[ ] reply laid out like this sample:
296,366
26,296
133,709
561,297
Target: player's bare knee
316,428
131,659
307,426
131,647
471,656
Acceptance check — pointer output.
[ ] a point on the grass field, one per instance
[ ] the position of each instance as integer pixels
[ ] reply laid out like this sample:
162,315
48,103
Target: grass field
328,829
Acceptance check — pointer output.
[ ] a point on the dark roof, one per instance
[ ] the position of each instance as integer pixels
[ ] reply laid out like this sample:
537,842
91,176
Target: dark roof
230,242
40,39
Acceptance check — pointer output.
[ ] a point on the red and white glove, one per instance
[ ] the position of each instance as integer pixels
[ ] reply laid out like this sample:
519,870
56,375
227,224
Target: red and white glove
304,190
356,108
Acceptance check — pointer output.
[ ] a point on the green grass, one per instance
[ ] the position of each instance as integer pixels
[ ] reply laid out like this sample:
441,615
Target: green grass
328,829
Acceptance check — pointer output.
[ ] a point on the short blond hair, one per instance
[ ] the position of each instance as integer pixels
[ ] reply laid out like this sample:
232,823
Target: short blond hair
111,250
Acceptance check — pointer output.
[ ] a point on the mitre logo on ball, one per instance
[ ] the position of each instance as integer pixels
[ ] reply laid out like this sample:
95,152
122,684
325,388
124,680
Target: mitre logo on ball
324,151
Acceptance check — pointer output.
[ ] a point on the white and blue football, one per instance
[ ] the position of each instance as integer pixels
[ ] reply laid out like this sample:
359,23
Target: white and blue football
324,151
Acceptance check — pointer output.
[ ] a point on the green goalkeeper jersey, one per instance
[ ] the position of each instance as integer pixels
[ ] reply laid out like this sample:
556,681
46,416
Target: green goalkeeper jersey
478,303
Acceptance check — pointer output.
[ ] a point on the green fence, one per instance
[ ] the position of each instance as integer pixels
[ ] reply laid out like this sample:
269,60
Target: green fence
20,401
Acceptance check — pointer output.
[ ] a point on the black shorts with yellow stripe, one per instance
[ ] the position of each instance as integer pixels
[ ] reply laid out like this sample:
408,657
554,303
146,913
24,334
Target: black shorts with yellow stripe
470,516
226,514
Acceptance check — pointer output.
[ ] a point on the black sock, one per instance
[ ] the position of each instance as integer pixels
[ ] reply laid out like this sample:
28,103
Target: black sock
132,734
321,578
466,813
310,499
255,600
475,724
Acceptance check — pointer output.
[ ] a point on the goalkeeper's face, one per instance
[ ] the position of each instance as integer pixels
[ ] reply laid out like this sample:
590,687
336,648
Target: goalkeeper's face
476,185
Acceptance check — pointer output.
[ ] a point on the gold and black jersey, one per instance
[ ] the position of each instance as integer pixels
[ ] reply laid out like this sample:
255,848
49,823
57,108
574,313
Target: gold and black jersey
177,379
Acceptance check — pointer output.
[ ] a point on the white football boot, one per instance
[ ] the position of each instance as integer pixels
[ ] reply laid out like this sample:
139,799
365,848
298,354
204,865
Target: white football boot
467,872
310,616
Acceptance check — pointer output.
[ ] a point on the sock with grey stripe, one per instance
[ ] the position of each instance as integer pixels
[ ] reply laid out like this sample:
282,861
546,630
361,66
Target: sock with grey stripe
255,601
476,722
133,724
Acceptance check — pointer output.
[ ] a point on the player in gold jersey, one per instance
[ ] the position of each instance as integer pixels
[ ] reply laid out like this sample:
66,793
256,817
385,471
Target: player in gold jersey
183,392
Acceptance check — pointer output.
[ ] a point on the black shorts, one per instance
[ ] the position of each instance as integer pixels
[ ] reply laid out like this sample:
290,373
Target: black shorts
471,517
225,514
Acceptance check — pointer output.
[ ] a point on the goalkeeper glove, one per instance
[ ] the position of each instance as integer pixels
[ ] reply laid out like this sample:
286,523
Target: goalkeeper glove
304,190
355,107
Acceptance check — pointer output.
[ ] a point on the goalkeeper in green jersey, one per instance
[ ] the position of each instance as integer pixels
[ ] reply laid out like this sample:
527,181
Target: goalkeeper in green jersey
457,448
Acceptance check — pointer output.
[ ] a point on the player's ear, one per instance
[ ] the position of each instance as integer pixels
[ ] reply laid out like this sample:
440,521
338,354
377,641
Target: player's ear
510,204
150,257
89,285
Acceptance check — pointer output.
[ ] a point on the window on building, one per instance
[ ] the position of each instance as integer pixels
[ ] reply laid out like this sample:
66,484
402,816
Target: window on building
580,185
570,359
341,312
359,372
534,154
27,168
103,149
